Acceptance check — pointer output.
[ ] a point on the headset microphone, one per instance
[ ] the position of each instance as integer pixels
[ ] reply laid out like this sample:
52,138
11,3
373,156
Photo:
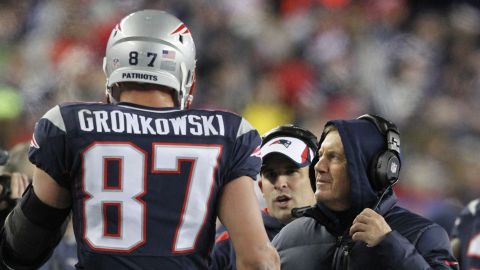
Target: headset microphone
300,211
377,204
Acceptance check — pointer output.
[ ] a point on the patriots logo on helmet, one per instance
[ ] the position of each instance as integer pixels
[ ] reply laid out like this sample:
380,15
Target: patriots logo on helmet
115,62
283,142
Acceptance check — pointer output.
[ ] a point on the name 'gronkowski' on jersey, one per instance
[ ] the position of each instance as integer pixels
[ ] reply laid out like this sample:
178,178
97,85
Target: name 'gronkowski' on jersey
145,182
467,229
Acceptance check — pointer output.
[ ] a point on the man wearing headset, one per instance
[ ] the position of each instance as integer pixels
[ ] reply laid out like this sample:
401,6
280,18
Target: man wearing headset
286,152
356,165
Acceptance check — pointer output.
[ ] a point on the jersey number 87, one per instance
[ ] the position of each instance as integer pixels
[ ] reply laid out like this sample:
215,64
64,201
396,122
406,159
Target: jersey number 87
126,197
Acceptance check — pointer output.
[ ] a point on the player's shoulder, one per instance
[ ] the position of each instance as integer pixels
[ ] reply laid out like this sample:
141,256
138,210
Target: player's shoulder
472,209
467,217
61,113
232,119
77,105
224,113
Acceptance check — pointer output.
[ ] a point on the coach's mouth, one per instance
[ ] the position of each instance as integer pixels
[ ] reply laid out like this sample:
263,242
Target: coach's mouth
283,200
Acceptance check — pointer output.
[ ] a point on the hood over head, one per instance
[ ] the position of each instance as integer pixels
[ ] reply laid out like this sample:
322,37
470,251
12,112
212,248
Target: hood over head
362,141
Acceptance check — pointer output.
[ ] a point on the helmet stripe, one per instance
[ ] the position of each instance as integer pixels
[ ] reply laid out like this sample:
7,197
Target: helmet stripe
180,28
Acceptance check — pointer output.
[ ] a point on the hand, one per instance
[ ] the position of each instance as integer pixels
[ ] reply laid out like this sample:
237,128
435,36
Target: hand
369,227
18,185
19,182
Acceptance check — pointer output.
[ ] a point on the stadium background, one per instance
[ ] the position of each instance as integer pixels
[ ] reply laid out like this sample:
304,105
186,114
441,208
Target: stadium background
286,61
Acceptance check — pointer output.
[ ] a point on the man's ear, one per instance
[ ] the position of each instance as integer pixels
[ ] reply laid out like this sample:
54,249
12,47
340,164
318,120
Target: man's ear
260,184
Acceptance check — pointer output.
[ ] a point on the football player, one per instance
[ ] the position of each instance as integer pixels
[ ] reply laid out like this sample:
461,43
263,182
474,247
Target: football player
466,237
144,177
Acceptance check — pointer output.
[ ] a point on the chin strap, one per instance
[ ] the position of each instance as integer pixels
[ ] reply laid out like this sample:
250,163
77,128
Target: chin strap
109,95
107,99
186,100
189,100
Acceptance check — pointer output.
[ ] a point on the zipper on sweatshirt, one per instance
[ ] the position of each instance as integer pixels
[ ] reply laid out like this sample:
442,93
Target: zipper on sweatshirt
346,257
341,256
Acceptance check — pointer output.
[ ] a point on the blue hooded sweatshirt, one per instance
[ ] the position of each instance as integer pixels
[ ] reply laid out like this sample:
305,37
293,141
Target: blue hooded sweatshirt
414,243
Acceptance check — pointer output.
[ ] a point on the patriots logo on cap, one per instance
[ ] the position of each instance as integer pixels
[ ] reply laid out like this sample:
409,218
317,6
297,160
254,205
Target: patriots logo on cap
283,142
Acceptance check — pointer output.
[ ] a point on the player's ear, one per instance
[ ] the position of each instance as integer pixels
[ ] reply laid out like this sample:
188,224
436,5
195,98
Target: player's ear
260,184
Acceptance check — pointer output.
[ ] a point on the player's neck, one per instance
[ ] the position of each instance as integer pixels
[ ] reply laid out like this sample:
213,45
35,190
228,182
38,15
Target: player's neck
153,98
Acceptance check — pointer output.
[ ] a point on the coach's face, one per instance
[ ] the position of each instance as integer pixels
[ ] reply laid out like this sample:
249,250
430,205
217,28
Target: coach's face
284,186
333,185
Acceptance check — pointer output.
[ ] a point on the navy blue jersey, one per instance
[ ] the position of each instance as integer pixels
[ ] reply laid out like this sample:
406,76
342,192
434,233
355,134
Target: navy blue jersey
145,182
467,229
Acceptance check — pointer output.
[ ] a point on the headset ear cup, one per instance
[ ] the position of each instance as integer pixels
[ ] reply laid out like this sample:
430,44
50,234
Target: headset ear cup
392,172
385,166
385,170
374,175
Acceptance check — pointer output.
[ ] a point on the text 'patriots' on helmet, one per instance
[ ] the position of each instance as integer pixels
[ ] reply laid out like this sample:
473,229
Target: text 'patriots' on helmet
152,46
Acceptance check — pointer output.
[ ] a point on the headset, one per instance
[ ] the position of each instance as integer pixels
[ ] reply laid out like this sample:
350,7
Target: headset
292,131
385,166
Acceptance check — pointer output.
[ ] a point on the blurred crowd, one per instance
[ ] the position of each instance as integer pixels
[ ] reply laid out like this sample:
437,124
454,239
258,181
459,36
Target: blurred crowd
280,61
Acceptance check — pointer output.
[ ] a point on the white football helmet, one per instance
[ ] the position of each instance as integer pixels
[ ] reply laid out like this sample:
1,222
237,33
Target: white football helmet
152,46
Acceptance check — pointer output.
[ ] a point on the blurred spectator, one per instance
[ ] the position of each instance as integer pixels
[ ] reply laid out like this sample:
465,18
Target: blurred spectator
18,160
20,171
13,182
10,109
267,109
